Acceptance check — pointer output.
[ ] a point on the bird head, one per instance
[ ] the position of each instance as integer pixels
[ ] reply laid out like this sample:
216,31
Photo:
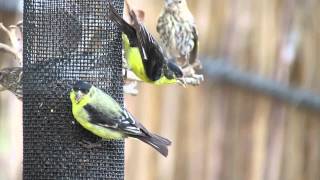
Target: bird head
175,69
172,71
80,90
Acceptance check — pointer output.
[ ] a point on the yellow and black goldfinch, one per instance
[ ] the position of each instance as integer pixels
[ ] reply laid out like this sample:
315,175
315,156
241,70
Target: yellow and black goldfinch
144,55
99,113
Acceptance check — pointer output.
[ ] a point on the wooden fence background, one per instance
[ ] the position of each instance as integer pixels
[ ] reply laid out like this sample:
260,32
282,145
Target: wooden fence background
227,132
222,132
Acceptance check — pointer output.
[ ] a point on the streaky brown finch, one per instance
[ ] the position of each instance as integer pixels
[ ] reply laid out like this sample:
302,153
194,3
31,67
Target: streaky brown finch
11,80
178,33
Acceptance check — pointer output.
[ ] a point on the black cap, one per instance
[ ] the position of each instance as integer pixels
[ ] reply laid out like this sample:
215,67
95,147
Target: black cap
82,86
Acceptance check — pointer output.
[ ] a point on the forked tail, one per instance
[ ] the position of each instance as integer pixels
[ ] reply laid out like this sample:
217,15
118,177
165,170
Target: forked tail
157,142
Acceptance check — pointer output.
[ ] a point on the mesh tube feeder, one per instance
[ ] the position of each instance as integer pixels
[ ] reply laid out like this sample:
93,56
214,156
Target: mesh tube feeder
65,41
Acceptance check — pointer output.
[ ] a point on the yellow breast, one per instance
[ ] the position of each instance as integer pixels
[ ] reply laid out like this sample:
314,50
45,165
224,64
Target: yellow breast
82,117
134,60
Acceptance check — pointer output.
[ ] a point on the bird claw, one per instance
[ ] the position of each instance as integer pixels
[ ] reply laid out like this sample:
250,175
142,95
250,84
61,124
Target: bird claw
198,77
194,81
190,77
89,145
131,88
182,82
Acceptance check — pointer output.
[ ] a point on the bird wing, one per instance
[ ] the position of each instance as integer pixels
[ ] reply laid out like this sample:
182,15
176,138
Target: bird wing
123,121
123,26
151,53
194,53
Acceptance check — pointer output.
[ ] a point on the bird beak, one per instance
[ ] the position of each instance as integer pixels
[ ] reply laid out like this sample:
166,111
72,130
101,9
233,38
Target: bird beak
79,96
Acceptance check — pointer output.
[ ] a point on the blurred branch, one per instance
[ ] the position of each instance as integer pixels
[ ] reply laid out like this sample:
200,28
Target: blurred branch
221,71
14,34
8,49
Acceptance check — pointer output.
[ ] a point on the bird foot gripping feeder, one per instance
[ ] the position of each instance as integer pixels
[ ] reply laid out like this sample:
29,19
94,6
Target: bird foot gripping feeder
65,41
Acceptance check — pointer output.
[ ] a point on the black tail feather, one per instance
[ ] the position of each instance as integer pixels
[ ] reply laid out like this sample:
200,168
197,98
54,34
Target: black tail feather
121,23
162,140
134,18
157,142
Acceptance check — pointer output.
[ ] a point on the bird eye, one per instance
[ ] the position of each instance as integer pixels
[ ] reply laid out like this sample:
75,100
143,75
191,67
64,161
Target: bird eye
179,2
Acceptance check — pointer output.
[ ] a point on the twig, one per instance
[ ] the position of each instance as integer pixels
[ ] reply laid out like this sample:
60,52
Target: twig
16,41
3,28
223,72
8,49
